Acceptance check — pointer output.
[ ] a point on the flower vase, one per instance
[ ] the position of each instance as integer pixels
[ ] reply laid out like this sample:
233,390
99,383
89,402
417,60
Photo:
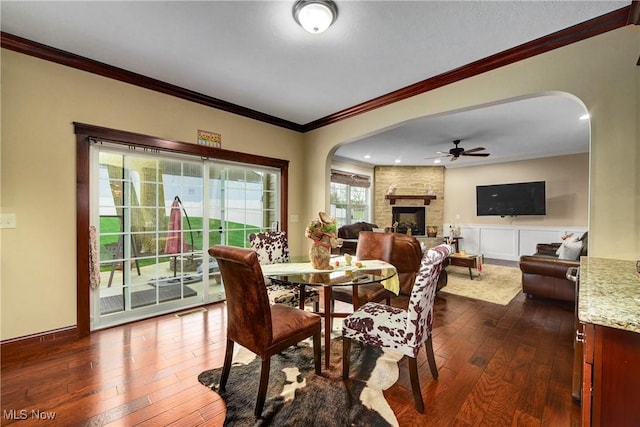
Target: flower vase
320,257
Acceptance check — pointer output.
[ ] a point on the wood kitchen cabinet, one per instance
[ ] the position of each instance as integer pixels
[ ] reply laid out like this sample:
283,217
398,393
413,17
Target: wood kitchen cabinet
611,377
608,334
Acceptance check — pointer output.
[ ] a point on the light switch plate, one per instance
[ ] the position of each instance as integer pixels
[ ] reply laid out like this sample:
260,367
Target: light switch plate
8,221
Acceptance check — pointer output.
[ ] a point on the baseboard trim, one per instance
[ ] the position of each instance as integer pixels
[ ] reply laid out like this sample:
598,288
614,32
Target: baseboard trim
16,347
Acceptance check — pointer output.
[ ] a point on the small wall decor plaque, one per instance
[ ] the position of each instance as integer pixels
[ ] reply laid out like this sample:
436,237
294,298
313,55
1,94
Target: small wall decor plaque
210,139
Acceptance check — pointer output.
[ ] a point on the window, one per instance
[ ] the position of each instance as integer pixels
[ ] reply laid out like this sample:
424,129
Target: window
243,200
149,223
349,197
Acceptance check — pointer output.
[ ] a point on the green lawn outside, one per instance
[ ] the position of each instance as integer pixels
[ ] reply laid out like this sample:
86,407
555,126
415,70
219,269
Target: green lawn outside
237,235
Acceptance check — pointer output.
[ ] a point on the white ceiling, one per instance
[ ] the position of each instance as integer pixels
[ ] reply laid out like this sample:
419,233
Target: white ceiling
253,54
541,126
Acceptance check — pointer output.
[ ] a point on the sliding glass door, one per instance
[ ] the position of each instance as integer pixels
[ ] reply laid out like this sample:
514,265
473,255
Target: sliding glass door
154,226
242,200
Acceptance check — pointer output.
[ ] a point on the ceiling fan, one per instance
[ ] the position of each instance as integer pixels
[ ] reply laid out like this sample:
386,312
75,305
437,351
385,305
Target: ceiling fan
456,152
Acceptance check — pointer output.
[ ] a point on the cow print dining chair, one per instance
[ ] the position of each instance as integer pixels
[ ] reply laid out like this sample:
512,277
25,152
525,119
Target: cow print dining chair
273,247
402,331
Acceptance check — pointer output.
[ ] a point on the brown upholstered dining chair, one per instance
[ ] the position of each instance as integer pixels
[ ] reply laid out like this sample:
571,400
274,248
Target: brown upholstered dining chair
254,323
371,245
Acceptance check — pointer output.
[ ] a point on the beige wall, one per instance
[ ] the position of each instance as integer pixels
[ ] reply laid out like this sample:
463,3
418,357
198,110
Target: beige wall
40,100
567,190
600,71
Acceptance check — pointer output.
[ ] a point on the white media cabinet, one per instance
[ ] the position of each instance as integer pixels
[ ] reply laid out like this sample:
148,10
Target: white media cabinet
509,242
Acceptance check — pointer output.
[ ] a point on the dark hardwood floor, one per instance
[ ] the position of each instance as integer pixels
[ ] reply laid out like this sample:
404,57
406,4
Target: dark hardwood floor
498,366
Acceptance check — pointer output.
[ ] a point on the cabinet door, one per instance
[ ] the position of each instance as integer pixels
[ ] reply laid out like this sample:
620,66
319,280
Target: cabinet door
616,378
587,373
578,350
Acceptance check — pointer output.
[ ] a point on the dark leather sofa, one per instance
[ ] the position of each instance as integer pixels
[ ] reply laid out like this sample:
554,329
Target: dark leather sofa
545,275
351,232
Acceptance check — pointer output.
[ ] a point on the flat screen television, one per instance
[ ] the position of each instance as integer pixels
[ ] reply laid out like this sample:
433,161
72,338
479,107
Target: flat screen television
522,198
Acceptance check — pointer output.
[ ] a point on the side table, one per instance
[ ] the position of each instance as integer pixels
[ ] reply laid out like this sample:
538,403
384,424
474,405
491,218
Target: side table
469,261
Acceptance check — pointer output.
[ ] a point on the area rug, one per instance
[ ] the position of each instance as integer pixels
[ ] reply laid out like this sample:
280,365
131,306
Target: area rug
496,283
296,396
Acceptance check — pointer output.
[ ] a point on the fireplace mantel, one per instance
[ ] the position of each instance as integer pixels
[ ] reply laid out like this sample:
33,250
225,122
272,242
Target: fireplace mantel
393,197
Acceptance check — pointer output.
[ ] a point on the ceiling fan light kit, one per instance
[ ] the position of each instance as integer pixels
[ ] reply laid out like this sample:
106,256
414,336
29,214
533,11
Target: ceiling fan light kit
315,16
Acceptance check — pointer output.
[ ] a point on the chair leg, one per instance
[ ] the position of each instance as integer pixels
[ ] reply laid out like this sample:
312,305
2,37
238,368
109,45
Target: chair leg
415,384
346,355
262,389
428,345
317,353
226,368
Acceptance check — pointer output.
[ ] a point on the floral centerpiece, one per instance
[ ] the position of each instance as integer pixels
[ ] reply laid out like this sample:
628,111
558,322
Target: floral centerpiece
322,232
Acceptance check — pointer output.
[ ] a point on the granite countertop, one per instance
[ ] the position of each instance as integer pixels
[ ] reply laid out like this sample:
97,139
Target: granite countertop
609,293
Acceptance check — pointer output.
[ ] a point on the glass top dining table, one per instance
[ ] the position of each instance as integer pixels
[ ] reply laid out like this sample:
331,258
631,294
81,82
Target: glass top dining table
302,274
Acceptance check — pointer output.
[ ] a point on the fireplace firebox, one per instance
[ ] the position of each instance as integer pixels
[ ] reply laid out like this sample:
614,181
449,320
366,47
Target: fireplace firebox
409,217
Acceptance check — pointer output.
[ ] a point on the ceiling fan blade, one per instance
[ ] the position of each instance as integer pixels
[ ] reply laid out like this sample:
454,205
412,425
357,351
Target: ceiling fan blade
454,158
476,154
436,157
473,150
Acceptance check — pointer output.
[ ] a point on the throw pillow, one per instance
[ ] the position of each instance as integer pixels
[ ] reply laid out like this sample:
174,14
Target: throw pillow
569,250
567,238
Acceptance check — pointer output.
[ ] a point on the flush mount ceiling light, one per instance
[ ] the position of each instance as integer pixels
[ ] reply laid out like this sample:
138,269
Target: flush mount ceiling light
315,16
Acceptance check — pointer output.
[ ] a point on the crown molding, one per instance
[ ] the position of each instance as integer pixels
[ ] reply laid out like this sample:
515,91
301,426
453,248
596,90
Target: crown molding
602,24
48,53
585,30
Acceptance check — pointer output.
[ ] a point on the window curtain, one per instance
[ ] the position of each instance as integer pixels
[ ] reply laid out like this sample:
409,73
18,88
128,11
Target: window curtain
351,179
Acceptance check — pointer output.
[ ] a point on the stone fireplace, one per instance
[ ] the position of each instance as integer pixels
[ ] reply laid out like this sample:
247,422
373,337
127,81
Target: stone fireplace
412,217
415,181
